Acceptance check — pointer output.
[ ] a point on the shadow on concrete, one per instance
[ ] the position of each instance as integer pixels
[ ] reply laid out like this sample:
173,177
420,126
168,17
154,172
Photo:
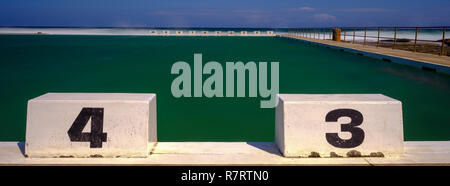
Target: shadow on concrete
21,146
269,147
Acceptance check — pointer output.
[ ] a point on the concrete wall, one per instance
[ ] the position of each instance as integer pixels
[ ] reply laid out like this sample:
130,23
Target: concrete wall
314,125
209,33
128,123
386,58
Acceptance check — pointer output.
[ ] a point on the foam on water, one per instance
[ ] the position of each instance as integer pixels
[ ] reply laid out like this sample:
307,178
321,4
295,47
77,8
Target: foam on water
424,34
76,31
110,31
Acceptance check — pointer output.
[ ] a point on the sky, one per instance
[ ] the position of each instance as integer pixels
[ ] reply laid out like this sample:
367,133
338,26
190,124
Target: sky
229,13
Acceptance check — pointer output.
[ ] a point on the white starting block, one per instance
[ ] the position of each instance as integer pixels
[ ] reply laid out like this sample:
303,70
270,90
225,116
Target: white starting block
270,33
244,33
338,125
179,32
91,125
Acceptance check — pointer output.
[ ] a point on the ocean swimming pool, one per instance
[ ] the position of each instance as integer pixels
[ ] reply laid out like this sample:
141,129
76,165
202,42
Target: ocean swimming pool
32,65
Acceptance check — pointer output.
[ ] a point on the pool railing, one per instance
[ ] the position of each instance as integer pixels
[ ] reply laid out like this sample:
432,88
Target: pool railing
415,39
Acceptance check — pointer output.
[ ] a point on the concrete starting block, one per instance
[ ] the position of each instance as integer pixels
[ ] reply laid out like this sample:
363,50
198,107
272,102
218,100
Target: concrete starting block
91,125
338,125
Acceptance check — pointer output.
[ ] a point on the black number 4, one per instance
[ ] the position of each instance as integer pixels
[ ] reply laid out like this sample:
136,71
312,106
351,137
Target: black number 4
357,133
96,136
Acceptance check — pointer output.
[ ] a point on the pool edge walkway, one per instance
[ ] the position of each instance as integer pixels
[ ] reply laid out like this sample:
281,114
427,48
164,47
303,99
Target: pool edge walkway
419,60
235,153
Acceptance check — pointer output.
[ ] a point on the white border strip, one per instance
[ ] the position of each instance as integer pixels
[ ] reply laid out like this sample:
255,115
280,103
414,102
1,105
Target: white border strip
234,153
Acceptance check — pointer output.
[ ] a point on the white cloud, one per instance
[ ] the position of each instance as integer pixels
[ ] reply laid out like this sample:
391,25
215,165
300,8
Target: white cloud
324,17
305,8
251,11
184,13
365,10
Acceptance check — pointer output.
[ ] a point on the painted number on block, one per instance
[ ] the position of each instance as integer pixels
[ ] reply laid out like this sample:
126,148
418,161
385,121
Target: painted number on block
352,127
96,136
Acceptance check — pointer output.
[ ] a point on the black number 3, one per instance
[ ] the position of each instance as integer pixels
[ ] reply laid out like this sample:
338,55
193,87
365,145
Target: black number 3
96,136
357,133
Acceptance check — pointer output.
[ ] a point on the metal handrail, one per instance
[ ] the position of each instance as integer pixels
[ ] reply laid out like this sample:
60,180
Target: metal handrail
315,32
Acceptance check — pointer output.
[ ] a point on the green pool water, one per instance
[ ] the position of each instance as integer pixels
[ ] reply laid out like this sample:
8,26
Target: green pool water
32,65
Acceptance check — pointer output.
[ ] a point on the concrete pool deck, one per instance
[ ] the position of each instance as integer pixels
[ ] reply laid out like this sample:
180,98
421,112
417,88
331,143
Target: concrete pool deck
419,60
235,153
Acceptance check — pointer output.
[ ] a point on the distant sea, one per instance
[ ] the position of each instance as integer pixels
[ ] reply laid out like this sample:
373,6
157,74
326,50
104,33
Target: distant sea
424,34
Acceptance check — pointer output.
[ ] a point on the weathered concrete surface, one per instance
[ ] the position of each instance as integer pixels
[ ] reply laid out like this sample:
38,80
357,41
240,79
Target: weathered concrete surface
269,33
128,123
234,153
302,128
419,60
